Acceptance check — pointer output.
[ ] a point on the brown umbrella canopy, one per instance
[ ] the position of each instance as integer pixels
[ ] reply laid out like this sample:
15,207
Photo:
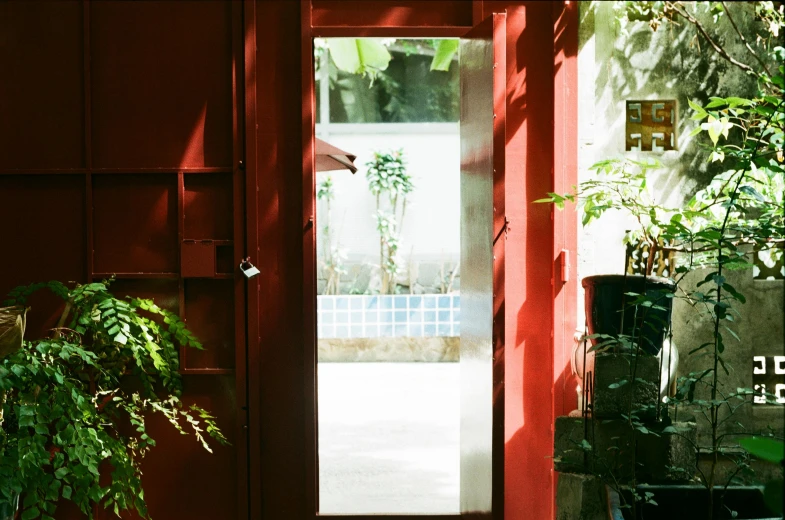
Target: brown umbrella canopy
329,158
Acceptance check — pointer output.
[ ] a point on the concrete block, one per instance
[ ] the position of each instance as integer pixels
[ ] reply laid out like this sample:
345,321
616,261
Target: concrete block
608,449
640,396
669,457
580,497
568,456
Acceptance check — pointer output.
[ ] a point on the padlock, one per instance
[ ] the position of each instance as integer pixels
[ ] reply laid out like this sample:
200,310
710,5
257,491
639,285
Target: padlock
248,269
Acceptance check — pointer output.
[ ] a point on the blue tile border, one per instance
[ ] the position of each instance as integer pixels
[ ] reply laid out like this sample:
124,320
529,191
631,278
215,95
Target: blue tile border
375,316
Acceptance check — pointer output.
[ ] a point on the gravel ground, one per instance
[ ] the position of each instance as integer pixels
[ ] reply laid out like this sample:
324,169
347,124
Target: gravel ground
389,437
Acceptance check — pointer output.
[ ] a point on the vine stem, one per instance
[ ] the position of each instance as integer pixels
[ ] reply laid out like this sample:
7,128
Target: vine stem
714,409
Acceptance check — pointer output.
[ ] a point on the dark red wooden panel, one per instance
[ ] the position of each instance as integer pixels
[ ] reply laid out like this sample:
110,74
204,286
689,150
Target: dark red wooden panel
392,13
161,84
209,313
183,481
135,223
197,259
165,293
224,259
43,238
41,101
208,206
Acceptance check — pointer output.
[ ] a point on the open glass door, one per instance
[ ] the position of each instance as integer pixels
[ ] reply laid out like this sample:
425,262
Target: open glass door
483,220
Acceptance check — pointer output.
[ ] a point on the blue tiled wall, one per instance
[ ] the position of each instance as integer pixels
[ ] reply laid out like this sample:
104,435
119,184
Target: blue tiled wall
377,316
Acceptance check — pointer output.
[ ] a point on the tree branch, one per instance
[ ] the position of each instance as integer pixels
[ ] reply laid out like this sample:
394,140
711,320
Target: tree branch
722,52
744,40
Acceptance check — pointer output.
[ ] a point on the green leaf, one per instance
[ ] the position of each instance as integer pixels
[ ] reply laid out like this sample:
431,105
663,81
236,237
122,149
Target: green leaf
737,101
618,384
121,338
716,102
62,472
445,52
765,448
67,492
709,344
749,190
740,297
31,513
696,107
359,55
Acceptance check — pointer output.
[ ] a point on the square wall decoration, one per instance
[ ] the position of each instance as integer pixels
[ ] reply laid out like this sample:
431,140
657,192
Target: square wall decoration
651,125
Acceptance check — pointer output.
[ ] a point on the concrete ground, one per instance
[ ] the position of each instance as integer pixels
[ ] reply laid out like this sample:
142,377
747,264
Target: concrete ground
389,437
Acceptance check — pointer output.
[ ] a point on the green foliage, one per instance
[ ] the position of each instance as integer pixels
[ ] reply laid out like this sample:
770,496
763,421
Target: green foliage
333,257
387,176
417,85
765,448
370,57
364,56
74,405
445,52
739,211
390,183
771,450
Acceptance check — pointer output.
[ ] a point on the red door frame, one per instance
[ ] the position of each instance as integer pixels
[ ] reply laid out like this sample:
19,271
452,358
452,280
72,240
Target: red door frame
541,156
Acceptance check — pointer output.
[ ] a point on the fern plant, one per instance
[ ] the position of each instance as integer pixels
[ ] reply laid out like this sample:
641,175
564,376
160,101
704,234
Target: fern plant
68,399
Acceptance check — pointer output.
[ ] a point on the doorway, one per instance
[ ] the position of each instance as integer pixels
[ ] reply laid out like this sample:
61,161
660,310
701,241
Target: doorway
478,390
388,276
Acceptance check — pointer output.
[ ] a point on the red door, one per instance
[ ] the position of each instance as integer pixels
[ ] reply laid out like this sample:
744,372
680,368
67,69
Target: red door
119,156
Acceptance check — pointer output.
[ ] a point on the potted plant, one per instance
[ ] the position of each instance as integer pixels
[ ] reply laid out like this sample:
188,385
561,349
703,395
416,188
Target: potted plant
627,315
74,404
391,185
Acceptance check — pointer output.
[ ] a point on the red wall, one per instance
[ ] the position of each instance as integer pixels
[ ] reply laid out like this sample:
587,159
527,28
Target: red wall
117,143
99,126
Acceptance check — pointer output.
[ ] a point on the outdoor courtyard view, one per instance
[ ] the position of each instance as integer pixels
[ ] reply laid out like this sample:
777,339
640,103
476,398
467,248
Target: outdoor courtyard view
388,304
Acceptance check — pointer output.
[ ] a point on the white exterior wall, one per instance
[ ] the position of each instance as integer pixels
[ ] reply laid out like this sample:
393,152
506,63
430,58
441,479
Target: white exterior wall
431,227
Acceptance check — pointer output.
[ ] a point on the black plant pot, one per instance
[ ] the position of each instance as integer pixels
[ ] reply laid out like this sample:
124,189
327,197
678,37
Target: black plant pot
690,502
606,298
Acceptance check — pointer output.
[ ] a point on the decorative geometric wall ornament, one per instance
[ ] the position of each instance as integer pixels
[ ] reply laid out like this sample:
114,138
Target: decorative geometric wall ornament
768,379
651,125
637,258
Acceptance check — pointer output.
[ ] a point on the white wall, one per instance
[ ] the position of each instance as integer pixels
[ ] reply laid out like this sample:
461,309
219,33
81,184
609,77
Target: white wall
643,64
432,222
